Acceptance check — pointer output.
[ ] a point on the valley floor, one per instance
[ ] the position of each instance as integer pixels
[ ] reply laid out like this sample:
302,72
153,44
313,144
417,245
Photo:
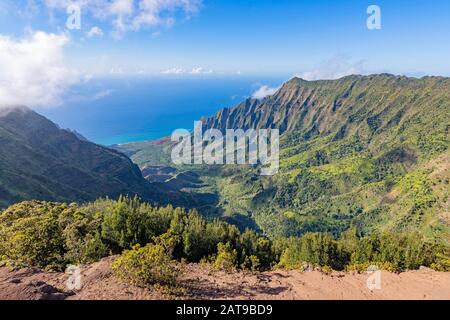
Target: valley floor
100,283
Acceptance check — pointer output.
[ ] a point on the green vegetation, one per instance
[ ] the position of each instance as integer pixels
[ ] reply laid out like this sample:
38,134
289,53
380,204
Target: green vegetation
226,258
40,161
155,242
147,266
30,234
52,235
388,251
363,181
368,151
418,185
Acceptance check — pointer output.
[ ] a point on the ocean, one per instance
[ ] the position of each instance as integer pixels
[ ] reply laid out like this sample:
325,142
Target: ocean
128,109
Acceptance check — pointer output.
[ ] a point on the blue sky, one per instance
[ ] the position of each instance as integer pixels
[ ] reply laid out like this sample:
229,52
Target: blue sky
251,37
136,69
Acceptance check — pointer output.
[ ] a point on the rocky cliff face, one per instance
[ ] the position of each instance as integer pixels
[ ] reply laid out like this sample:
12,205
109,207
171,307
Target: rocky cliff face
367,106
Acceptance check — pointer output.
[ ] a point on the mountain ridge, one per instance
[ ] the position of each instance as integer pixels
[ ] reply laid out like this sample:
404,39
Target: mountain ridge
354,151
300,95
41,161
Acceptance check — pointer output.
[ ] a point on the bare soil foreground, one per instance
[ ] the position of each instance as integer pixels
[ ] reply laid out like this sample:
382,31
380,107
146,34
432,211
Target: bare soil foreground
99,283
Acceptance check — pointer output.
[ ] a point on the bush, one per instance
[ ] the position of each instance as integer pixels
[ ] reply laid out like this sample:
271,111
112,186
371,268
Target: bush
403,252
442,262
82,233
251,263
226,258
318,249
366,266
147,266
256,252
31,235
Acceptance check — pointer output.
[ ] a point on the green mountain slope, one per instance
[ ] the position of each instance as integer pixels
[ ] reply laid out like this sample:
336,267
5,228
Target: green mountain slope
40,161
369,151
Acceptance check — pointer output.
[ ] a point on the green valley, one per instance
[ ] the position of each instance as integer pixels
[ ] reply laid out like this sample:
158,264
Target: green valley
363,151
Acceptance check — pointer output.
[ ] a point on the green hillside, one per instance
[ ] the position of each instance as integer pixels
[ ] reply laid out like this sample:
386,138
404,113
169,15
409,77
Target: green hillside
41,161
367,151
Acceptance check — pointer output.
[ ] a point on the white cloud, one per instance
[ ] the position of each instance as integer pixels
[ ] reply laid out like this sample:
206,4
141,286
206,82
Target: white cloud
263,92
337,67
156,34
116,71
94,32
99,95
132,15
102,94
174,71
200,70
162,12
194,71
87,77
33,70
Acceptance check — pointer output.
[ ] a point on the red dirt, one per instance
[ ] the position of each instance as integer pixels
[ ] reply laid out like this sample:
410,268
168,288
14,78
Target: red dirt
99,283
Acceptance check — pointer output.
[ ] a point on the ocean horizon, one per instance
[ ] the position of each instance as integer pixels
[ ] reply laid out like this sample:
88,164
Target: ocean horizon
111,111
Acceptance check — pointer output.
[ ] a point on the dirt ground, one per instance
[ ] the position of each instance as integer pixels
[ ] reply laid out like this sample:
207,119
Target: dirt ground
99,283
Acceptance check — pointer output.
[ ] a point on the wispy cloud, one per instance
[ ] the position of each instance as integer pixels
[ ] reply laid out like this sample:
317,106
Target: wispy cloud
337,67
174,71
94,32
33,70
116,71
133,15
263,92
102,94
194,71
200,70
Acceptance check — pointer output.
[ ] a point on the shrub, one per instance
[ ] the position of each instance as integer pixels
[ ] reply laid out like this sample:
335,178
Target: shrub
31,235
418,185
127,224
256,252
403,252
226,258
366,266
290,261
442,262
318,249
82,233
147,266
251,263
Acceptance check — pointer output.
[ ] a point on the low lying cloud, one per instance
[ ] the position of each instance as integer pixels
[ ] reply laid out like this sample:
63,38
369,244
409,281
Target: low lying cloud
33,70
132,15
337,67
263,92
200,71
195,71
174,71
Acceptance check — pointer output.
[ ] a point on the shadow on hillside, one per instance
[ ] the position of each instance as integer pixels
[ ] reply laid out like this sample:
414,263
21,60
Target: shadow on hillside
205,289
